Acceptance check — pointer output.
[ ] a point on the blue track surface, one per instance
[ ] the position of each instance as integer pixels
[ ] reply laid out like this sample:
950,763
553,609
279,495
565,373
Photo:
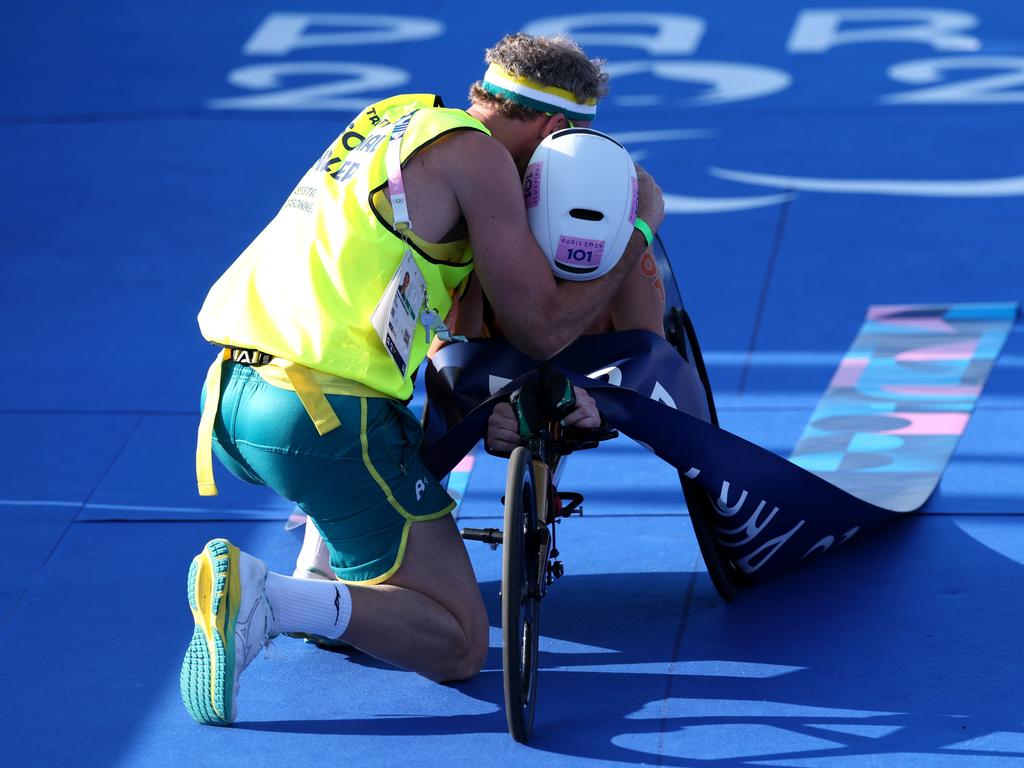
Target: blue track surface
142,147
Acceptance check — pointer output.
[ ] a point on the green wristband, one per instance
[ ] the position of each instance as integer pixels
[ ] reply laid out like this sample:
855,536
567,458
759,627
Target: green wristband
645,230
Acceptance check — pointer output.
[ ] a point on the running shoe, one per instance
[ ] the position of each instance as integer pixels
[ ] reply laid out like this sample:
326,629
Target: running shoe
234,620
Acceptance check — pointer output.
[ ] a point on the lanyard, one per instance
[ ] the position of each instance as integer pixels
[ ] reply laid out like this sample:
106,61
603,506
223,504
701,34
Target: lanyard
430,320
396,185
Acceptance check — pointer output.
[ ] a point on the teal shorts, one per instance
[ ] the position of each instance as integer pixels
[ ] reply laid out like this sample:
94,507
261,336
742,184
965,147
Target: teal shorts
363,484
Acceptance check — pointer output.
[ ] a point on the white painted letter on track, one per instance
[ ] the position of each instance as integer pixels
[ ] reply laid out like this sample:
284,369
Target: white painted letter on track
821,29
283,33
347,87
1001,81
672,34
727,81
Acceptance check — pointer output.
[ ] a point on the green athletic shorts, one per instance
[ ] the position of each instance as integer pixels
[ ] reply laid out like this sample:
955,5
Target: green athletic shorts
363,484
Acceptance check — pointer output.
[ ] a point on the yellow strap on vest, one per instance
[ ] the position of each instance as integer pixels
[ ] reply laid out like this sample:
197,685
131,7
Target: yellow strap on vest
204,444
312,398
302,381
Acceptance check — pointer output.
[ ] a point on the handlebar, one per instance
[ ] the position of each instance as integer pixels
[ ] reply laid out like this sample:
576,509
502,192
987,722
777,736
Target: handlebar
581,438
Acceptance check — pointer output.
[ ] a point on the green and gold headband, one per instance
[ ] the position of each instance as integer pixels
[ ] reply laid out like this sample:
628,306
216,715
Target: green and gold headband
548,99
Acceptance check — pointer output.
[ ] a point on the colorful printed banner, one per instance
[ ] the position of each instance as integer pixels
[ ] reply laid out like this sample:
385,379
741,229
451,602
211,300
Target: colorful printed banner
901,398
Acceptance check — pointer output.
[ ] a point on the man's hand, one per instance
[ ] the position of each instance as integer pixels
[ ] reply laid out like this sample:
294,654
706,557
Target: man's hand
503,426
586,415
651,207
503,429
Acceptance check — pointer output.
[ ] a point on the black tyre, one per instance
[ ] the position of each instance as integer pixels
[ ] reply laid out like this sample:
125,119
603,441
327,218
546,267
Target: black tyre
520,595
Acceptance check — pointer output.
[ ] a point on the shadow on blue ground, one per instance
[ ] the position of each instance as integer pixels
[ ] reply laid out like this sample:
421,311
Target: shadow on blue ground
871,651
900,649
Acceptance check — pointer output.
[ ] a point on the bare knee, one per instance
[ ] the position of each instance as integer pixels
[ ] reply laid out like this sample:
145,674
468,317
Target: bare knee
469,653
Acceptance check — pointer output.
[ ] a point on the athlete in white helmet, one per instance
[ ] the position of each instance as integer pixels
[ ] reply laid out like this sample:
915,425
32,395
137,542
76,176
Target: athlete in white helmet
580,191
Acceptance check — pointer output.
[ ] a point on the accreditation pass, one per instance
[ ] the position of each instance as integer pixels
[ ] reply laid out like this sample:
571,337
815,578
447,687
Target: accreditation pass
398,311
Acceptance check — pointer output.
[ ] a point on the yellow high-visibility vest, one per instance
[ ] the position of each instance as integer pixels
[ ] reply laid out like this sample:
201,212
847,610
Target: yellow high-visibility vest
305,289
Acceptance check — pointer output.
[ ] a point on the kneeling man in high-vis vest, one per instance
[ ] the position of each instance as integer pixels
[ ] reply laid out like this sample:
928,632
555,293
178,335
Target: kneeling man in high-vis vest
322,323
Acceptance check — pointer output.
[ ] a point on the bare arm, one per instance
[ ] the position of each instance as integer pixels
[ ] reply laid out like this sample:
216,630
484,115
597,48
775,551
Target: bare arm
640,301
539,315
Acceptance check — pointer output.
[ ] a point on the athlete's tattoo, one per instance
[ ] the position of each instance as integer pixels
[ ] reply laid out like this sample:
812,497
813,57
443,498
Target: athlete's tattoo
649,269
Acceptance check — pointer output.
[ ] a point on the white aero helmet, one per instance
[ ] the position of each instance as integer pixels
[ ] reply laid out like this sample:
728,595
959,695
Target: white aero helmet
581,197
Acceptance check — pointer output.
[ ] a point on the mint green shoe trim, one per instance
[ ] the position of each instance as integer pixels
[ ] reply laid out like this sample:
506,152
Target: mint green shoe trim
208,670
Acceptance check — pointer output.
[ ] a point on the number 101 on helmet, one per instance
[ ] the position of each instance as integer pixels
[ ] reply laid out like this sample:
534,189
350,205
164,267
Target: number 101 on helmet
581,197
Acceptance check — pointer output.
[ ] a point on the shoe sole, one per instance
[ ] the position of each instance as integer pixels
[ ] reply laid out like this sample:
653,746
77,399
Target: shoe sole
208,671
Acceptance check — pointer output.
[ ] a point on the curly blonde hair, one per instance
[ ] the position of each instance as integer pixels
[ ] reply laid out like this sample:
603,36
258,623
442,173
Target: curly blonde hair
549,59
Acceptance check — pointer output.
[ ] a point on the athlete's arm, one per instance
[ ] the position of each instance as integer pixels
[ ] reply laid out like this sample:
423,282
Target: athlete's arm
639,303
537,314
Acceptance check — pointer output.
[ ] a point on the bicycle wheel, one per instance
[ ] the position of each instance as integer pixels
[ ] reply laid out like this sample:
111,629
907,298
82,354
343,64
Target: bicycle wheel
520,595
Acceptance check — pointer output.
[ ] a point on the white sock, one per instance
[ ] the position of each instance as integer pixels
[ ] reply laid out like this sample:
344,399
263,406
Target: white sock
314,557
309,606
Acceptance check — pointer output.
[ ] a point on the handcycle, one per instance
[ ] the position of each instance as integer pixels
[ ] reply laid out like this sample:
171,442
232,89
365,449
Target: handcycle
533,506
533,509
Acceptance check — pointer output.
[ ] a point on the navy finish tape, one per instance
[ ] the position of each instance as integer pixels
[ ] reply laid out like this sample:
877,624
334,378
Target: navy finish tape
769,514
